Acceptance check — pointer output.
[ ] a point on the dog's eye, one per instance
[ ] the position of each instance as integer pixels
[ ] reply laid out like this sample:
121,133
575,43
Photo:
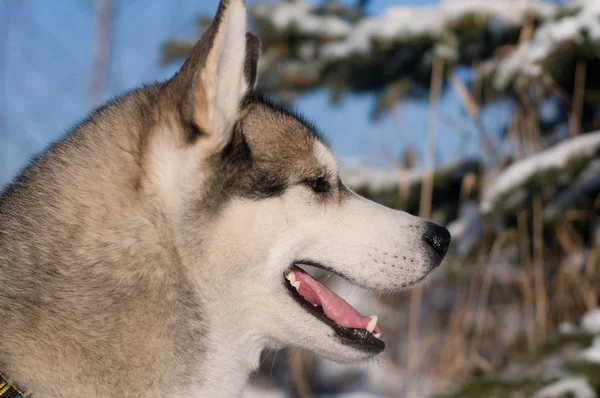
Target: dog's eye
319,185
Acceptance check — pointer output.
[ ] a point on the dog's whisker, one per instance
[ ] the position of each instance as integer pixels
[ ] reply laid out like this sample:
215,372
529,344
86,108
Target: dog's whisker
272,365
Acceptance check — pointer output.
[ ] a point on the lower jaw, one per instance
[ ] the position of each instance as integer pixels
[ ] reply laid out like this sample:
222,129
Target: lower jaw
358,339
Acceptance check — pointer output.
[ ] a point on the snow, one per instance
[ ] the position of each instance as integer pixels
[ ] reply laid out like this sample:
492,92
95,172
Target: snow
578,387
592,354
546,40
404,23
400,23
591,322
356,174
396,22
457,228
567,328
299,17
555,157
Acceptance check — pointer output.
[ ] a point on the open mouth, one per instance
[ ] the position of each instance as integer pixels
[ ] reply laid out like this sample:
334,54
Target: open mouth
350,327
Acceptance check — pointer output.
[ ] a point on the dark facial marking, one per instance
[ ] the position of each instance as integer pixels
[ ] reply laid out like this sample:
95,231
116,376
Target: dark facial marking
270,150
235,173
191,132
319,185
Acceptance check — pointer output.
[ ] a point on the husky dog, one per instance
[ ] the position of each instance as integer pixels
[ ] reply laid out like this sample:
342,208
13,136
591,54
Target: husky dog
154,251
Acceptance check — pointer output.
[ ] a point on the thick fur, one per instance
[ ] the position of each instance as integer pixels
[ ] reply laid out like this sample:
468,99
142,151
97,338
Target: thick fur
143,255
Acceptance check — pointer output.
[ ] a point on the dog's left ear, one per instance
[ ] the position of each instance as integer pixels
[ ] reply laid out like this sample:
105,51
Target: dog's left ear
211,84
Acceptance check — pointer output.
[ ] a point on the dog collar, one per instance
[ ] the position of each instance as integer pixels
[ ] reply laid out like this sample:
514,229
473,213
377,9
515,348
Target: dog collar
8,391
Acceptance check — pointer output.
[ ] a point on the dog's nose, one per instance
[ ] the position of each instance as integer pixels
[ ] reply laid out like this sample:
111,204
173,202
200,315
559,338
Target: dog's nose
438,238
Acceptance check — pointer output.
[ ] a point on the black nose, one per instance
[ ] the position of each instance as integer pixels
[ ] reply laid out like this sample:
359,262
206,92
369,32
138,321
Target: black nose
438,238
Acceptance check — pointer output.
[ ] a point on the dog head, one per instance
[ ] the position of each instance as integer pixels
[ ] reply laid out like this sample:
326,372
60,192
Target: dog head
252,191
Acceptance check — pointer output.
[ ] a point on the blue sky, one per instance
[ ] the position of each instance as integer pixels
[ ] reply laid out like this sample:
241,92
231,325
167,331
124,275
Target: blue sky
46,57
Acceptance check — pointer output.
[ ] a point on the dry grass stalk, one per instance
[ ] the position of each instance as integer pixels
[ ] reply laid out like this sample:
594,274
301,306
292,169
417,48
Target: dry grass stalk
567,238
476,84
413,360
414,350
576,292
522,127
539,269
396,114
532,125
593,261
464,95
480,314
296,362
572,288
586,291
462,318
482,301
527,29
455,347
555,89
578,98
561,289
481,362
437,75
468,186
526,283
473,111
514,135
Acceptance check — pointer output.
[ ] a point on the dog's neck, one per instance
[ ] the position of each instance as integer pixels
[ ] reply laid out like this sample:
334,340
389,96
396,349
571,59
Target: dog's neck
235,335
232,345
232,355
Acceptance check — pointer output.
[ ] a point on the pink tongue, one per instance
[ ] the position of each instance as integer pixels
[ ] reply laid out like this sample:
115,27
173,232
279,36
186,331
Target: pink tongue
335,307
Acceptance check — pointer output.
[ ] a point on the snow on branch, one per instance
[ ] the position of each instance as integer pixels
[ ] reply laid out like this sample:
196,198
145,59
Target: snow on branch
409,24
555,157
546,46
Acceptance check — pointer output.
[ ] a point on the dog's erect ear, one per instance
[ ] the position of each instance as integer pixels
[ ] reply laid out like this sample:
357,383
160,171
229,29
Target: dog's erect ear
219,71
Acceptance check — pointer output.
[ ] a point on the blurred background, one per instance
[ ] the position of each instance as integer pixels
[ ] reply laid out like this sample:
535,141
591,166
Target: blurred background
483,115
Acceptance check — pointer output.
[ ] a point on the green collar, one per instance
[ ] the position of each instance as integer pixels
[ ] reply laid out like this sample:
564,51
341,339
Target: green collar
8,391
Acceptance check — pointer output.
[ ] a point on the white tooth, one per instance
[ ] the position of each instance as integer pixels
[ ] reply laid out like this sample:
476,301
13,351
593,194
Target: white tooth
291,277
296,285
377,335
372,324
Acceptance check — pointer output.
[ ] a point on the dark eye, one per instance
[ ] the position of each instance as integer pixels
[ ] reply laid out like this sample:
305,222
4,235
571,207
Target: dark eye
319,185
